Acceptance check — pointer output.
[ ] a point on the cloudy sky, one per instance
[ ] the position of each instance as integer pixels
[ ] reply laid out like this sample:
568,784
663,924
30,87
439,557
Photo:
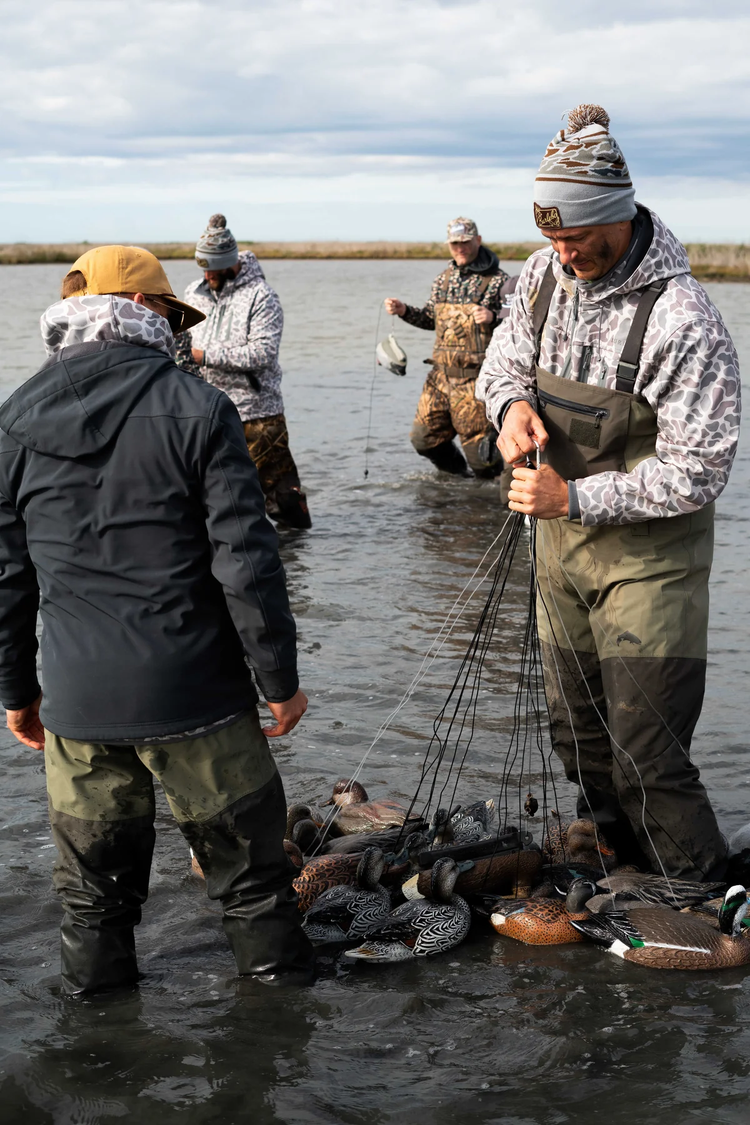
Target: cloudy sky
358,119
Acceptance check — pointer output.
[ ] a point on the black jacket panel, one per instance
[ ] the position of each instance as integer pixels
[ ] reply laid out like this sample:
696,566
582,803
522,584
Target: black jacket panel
127,497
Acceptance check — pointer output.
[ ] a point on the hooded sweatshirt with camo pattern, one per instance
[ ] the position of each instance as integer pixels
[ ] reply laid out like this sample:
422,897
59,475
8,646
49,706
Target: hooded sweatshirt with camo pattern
240,338
689,374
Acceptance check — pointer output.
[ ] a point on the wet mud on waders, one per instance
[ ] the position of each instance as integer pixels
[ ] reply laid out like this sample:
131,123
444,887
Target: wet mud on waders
623,623
447,406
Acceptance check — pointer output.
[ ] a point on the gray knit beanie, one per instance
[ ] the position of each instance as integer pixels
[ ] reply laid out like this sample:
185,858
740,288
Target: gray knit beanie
583,180
216,248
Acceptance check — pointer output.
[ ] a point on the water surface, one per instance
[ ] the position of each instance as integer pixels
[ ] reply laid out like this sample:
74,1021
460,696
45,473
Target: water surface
495,1032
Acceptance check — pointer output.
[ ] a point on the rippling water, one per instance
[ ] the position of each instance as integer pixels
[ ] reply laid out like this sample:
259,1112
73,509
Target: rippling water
495,1032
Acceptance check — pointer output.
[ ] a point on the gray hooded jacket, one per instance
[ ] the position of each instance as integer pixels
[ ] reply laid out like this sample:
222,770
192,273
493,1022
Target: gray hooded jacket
689,373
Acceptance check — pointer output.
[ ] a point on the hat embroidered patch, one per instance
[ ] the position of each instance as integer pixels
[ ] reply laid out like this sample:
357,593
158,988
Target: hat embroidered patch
547,216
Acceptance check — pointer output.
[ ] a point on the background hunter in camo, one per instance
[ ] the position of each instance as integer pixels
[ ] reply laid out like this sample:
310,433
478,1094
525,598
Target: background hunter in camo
458,287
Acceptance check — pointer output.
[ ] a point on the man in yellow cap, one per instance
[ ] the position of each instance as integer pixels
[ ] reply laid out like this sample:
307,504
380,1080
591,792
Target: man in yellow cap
132,518
466,304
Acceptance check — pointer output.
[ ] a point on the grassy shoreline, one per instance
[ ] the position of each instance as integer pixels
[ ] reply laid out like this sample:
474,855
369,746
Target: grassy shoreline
709,261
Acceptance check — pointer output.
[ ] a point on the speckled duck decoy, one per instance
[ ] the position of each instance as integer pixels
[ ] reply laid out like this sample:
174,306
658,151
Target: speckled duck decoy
624,891
357,813
348,912
660,938
423,927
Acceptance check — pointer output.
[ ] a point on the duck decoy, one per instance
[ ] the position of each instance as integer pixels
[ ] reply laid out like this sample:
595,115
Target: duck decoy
345,912
512,873
423,927
620,891
387,839
660,938
323,872
540,921
357,813
578,842
472,822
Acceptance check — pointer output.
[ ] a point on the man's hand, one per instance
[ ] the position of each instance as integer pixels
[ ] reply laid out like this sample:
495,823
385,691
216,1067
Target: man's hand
26,725
521,427
483,315
197,355
538,492
394,306
286,714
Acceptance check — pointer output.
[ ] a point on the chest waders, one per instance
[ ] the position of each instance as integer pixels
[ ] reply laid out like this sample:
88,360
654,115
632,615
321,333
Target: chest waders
623,621
447,405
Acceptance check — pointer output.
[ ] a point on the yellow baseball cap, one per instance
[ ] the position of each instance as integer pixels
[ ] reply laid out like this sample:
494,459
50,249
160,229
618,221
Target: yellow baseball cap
131,269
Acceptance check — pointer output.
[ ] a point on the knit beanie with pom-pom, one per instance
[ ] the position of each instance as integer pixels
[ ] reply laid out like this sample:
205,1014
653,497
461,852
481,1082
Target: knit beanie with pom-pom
216,248
583,180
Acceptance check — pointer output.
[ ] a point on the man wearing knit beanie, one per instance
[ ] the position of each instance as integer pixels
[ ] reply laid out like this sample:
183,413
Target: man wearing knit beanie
237,351
615,387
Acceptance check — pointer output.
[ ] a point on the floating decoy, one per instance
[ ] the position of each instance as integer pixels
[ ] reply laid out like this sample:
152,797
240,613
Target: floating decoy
660,938
387,839
618,891
578,842
345,912
323,872
423,927
473,822
357,813
540,921
512,873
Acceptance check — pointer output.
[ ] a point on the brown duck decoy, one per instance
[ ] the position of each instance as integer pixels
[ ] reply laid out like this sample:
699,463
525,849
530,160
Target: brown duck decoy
578,842
660,938
540,921
323,872
357,813
512,873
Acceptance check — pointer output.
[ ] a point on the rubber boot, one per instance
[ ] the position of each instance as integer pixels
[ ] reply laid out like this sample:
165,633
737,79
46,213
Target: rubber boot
243,859
291,504
102,878
448,458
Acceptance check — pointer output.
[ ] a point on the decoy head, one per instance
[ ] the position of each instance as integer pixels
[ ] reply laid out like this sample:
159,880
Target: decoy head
347,792
370,869
445,872
733,910
294,814
305,834
579,893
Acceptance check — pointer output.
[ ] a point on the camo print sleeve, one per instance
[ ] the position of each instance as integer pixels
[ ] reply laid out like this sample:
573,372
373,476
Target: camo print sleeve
424,317
184,353
260,348
508,372
695,391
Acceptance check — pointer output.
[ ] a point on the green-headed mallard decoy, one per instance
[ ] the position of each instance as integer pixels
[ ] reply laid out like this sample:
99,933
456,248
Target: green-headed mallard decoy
660,938
422,927
347,912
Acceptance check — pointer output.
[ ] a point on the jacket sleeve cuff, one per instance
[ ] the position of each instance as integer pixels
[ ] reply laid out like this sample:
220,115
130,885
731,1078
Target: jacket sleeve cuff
278,686
15,698
506,407
574,508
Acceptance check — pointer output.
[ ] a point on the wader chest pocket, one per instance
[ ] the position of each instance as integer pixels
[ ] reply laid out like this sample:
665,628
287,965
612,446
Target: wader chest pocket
585,425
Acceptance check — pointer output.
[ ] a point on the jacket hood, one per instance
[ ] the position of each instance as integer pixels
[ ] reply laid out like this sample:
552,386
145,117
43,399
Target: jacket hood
664,258
79,320
80,399
485,262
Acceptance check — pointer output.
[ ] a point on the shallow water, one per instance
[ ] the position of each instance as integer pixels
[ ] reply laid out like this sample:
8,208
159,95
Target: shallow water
495,1032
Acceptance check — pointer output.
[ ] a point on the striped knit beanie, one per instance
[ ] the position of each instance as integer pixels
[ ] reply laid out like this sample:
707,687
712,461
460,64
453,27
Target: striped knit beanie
216,248
583,180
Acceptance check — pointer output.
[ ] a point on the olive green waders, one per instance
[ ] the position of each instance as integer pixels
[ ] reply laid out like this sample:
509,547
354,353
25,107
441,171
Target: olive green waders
228,800
623,621
447,406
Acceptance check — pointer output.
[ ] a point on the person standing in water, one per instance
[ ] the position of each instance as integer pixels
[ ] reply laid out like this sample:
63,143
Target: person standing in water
615,363
132,518
467,301
236,348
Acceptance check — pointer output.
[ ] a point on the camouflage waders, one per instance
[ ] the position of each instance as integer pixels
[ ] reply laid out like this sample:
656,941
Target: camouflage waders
447,405
623,622
268,445
228,800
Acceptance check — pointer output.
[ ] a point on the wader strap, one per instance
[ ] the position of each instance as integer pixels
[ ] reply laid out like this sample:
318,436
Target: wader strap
541,306
627,368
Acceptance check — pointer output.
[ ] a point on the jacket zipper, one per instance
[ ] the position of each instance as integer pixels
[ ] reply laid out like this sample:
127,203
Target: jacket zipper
578,408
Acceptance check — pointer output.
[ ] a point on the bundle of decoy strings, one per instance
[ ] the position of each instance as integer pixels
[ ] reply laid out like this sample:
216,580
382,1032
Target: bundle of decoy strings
525,765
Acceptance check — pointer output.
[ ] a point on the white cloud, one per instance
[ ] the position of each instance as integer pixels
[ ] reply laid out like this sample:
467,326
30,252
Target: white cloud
355,106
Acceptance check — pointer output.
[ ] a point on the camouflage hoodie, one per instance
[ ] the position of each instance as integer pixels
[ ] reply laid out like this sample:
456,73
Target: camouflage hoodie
688,373
240,337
